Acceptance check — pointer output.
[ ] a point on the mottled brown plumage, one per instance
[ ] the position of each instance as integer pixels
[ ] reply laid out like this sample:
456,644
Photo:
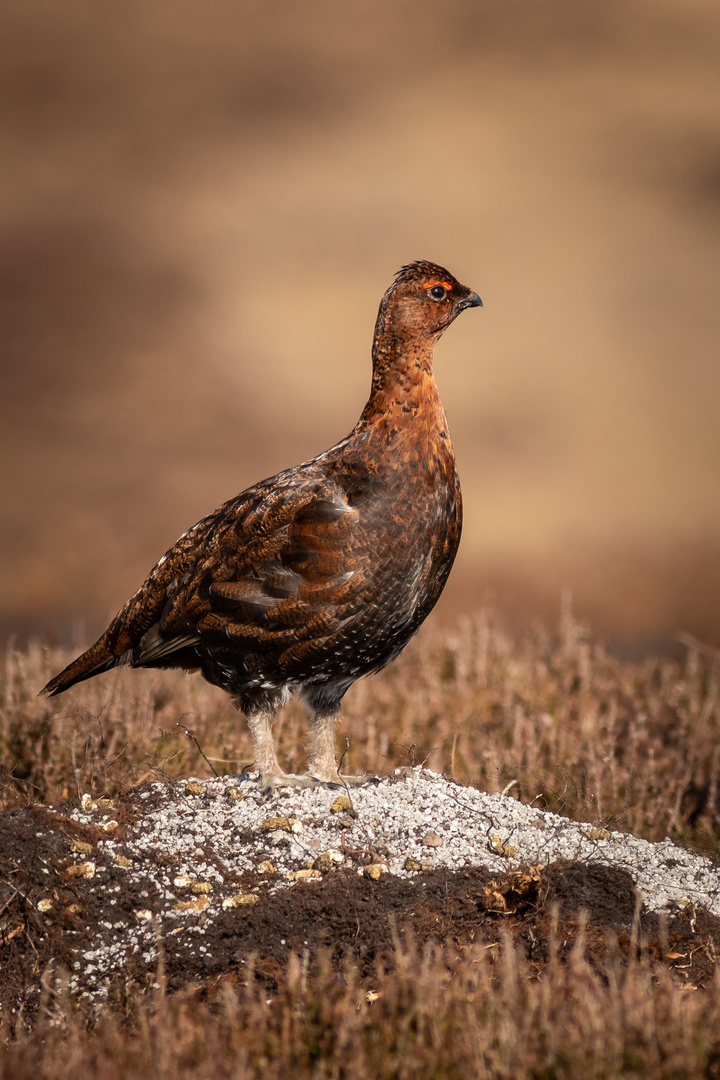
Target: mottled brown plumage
321,574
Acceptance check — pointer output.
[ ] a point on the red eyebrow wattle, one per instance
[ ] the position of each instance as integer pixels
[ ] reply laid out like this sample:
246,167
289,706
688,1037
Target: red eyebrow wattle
443,284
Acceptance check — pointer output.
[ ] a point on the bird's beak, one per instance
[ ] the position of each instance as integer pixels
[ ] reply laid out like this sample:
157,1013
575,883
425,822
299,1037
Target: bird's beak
473,300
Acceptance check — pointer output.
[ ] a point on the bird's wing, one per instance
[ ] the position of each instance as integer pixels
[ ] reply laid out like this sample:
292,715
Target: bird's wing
276,567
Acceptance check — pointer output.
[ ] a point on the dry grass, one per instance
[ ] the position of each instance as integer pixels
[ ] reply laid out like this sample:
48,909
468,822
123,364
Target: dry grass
632,746
435,1014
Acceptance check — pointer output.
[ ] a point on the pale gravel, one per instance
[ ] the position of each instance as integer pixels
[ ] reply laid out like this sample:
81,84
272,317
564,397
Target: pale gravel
212,838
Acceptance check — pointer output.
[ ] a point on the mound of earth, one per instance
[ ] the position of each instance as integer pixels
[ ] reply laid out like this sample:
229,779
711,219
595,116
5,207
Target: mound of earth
192,882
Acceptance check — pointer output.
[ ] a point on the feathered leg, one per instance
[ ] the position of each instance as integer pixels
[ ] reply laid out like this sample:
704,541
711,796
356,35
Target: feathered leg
322,758
260,722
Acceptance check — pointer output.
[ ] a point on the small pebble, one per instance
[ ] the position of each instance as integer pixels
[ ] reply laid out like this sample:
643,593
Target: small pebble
81,847
81,870
286,824
199,904
374,871
240,900
502,847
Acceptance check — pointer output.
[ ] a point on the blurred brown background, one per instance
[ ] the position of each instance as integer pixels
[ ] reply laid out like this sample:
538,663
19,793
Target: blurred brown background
203,203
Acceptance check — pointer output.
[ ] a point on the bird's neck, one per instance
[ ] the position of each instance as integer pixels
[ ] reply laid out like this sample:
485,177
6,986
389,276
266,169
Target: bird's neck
402,372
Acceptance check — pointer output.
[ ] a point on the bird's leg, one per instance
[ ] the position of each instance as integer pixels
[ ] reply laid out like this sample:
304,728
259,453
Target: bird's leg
260,722
322,758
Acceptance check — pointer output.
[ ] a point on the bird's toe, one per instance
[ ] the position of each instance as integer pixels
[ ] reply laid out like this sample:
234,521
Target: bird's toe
274,781
339,780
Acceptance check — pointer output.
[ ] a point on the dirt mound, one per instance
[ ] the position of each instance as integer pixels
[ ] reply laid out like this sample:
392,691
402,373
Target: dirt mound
187,884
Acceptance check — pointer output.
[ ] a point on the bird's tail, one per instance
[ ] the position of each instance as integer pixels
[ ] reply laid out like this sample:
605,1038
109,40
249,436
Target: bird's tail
95,660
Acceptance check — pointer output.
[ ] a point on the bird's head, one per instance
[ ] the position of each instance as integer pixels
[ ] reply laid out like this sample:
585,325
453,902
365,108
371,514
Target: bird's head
424,299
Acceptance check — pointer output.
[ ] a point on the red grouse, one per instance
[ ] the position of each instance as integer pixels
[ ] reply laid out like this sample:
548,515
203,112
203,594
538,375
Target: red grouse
322,574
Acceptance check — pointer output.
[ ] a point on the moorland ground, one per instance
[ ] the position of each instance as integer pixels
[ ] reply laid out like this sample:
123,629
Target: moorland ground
402,982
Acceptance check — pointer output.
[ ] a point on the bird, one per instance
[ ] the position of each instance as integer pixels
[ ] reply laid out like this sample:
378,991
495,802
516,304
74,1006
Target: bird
321,574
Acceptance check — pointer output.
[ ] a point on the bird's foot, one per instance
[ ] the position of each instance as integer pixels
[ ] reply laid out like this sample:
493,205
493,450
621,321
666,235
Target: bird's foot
269,781
353,781
339,780
274,781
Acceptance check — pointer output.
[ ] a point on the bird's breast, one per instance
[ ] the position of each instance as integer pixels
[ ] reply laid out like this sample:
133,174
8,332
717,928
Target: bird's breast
401,481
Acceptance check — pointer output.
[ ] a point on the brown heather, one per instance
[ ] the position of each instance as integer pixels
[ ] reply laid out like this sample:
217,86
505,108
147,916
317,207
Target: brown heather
634,747
631,746
436,1014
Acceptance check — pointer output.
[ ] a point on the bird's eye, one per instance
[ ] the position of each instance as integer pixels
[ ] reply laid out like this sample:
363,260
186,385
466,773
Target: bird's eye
437,292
